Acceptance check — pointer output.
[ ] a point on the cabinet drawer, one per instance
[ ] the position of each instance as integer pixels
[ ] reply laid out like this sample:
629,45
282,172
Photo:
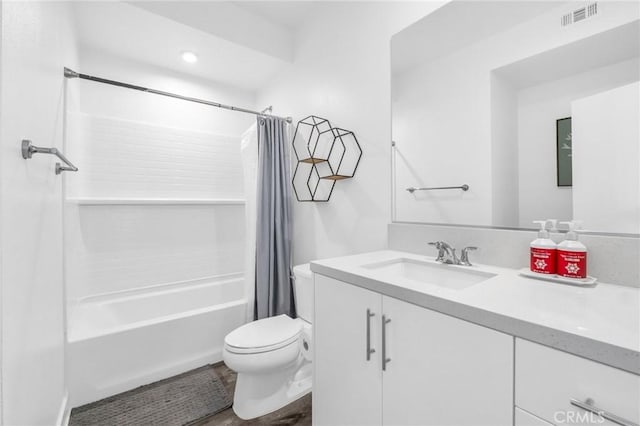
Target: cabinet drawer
522,418
547,380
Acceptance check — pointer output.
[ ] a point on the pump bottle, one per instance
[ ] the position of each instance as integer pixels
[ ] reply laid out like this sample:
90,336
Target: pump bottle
572,255
543,251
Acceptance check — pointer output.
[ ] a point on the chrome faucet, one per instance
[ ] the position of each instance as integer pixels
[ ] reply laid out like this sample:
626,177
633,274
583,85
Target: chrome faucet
464,256
447,254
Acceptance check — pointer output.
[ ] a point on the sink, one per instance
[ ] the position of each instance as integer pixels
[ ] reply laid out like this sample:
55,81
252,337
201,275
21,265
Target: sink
449,276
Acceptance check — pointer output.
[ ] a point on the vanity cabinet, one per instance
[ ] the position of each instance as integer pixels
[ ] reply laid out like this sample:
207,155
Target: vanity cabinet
548,379
439,370
347,388
523,418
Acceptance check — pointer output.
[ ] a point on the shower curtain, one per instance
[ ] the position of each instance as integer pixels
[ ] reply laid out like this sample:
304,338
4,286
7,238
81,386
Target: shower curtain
249,153
273,278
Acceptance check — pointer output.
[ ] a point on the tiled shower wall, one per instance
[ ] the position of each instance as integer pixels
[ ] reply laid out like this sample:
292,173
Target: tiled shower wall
131,159
132,147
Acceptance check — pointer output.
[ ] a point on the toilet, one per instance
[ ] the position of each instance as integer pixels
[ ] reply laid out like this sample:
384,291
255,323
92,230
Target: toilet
272,356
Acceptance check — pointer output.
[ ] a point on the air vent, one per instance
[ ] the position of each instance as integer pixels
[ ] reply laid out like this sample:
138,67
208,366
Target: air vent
579,14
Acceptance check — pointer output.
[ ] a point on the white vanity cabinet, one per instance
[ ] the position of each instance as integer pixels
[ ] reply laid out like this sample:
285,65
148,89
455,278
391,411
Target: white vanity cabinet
548,379
439,370
347,388
523,418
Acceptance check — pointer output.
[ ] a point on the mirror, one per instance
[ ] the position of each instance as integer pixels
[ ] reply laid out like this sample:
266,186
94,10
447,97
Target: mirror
533,105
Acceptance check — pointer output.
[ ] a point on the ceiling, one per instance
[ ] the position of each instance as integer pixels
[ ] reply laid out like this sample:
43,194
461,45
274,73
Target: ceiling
239,43
228,20
234,46
458,24
289,14
606,48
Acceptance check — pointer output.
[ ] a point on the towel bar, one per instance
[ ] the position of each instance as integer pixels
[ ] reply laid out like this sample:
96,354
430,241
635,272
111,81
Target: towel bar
464,187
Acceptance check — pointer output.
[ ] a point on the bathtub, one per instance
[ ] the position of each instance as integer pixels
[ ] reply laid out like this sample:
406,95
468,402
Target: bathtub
123,340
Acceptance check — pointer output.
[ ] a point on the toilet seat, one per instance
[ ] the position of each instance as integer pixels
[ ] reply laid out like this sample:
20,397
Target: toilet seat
264,335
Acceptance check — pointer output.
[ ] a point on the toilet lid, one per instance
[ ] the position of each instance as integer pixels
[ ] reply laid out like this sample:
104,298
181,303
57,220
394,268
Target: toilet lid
263,334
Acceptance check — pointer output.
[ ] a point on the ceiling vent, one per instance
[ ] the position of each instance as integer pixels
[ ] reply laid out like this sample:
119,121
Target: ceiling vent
579,14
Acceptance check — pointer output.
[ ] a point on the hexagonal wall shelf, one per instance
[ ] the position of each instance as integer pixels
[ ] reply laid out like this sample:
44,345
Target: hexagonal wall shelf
324,155
305,140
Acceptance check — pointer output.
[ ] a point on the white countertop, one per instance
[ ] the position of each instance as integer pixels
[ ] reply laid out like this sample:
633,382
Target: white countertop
601,323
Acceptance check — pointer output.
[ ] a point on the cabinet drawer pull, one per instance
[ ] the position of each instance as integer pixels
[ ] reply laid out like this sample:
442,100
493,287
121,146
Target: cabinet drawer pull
370,350
385,360
588,406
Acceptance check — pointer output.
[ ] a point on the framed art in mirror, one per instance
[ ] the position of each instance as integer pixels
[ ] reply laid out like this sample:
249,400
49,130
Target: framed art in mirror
564,151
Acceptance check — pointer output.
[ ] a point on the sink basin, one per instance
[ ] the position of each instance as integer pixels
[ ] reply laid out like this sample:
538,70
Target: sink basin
449,276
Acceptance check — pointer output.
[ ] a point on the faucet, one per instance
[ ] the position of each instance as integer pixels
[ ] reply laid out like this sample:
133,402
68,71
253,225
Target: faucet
447,254
464,256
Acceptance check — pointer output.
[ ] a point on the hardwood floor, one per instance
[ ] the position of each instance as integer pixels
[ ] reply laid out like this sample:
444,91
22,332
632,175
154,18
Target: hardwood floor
297,413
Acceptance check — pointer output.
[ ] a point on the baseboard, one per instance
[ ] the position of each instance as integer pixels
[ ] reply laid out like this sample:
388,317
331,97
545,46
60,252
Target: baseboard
65,411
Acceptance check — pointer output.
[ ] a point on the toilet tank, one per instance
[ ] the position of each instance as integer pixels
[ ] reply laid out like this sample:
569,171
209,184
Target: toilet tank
303,291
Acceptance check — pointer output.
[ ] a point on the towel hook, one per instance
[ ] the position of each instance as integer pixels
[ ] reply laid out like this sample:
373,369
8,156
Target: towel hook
28,149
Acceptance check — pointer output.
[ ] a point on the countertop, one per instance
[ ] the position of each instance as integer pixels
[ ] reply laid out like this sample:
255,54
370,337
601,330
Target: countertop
601,323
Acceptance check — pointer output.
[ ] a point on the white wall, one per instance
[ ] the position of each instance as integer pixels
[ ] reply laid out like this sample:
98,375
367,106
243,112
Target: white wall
442,118
538,109
606,133
505,194
36,43
135,145
441,126
341,72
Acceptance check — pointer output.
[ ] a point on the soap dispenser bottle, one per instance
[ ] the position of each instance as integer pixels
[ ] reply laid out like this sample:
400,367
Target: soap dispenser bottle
543,251
572,255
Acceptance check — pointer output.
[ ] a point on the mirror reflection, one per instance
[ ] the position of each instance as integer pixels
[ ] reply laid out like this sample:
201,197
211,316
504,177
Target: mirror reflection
533,105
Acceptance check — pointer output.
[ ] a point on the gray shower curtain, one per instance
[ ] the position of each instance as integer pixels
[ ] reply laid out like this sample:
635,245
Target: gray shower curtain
274,287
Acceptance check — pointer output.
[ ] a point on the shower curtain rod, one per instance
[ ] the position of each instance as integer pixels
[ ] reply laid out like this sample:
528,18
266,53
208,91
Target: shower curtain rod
69,73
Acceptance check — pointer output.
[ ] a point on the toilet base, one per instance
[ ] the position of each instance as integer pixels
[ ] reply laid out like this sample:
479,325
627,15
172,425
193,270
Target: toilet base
260,394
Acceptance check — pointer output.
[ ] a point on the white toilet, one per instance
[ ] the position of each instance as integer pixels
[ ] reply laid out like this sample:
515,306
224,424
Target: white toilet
272,356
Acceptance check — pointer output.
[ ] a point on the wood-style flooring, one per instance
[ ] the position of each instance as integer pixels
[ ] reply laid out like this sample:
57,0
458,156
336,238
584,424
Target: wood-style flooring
297,413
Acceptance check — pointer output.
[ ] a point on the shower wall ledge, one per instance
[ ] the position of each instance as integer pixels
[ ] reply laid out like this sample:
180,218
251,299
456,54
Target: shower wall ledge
154,201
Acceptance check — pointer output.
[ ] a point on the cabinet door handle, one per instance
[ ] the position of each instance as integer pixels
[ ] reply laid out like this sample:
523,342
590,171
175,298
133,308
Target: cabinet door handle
385,360
588,406
370,350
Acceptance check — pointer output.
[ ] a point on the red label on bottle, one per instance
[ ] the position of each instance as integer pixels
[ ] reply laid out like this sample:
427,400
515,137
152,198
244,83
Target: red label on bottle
543,260
572,264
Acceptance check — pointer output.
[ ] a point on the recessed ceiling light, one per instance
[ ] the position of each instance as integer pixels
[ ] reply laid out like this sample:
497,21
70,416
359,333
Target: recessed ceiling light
189,57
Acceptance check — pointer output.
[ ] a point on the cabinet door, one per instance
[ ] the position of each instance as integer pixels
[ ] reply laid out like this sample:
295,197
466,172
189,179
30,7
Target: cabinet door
444,371
347,387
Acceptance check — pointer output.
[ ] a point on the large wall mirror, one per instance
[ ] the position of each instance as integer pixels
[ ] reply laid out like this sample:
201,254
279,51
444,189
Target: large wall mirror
533,105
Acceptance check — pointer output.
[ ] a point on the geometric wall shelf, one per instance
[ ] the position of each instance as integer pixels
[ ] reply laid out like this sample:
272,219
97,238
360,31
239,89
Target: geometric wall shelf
343,156
324,155
305,140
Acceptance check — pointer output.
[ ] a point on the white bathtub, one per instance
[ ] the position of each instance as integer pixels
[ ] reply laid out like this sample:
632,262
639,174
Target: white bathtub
119,341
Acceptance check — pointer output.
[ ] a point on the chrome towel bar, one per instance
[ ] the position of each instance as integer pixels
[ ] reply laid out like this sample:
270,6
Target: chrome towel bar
464,187
28,149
